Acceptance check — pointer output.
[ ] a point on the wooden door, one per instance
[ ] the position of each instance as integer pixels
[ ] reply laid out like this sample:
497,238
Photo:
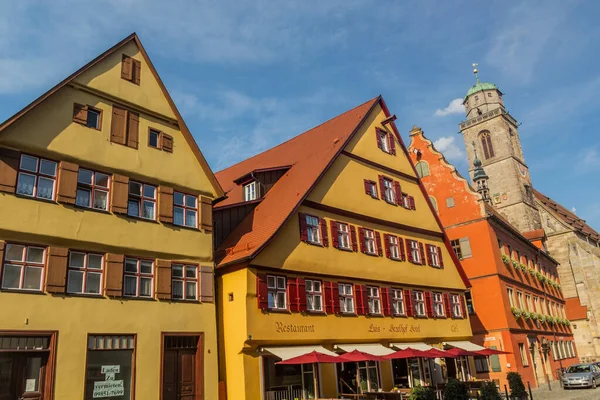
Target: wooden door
22,376
187,374
170,380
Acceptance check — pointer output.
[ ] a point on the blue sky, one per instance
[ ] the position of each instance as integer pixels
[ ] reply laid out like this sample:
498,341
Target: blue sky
250,74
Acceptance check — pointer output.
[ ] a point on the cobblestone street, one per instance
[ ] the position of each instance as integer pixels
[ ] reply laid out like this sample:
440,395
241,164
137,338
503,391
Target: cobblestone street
559,393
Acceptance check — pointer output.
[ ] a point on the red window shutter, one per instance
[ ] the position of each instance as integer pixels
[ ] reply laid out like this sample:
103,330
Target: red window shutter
114,275
332,297
120,195
261,291
392,143
167,142
422,251
428,248
67,182
368,187
303,229
9,165
80,113
165,204
408,251
328,297
353,237
378,138
401,249
360,299
398,191
382,186
361,239
379,246
301,288
448,305
56,271
335,241
292,294
324,237
133,129
439,250
163,280
429,304
386,241
411,201
463,306
118,125
386,301
410,311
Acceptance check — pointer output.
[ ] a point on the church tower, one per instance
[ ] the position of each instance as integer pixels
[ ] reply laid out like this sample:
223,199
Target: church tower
495,134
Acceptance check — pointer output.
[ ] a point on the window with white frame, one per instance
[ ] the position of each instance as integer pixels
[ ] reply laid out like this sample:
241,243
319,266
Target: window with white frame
346,298
142,200
370,245
520,300
85,273
511,296
373,299
438,305
23,267
37,177
138,278
383,137
371,189
312,229
185,210
314,295
394,248
92,189
250,191
276,292
405,201
397,299
419,303
434,255
343,236
184,282
456,307
414,250
390,195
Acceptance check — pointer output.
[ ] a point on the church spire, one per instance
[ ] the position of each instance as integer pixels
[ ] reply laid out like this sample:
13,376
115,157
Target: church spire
476,72
480,178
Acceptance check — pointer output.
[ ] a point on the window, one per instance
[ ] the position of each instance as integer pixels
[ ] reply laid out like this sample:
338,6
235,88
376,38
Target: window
93,118
511,296
456,247
489,95
422,168
536,303
346,298
450,202
501,246
23,267
139,278
434,256
528,302
85,273
371,189
314,296
383,141
438,305
184,282
276,287
523,354
414,251
312,229
373,300
154,138
481,365
486,143
461,247
37,177
370,246
469,301
389,194
131,69
92,189
419,303
250,191
87,116
109,366
142,200
185,210
520,300
456,306
397,298
405,201
343,236
394,248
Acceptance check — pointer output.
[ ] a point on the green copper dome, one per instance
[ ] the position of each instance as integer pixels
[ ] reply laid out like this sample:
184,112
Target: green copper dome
479,86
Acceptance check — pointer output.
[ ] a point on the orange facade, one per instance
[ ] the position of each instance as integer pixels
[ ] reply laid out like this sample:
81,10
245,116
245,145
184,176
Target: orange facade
517,305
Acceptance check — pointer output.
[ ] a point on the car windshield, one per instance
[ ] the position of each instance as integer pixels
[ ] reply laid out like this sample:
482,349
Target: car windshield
577,369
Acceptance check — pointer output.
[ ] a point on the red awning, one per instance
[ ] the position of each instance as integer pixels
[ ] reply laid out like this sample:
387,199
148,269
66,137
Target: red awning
359,356
462,353
491,352
311,358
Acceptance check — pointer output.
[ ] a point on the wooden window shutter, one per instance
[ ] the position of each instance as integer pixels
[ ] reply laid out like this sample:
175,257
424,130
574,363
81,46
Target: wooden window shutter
428,304
292,294
165,203
386,241
353,237
2,245
9,167
167,142
360,298
392,143
114,275
361,240
422,252
428,252
163,279
56,274
368,187
448,305
440,257
118,125
410,311
67,182
126,67
328,295
335,241
207,284
120,195
379,246
262,292
301,294
324,237
463,306
411,202
80,112
137,71
133,129
401,249
398,192
206,211
382,186
408,251
386,301
379,144
303,228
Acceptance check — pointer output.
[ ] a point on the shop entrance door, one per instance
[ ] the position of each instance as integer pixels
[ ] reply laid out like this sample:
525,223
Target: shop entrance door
179,368
22,375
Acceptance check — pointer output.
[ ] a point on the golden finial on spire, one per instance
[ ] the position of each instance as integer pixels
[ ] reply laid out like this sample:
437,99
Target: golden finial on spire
476,72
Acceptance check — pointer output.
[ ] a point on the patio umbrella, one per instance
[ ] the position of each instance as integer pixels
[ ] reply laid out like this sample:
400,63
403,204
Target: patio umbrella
440,353
491,352
461,352
357,355
409,353
314,357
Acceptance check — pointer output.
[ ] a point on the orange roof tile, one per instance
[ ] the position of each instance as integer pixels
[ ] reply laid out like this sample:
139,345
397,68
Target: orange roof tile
535,234
574,310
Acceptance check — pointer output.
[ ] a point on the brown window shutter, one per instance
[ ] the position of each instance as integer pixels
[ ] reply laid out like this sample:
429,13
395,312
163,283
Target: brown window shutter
335,240
379,246
303,228
126,67
398,191
353,239
118,125
80,113
324,236
137,70
361,240
422,251
206,213
163,279
386,243
167,142
2,245
428,253
378,138
56,274
120,189
440,257
207,284
133,129
114,275
402,250
165,203
67,182
9,167
392,144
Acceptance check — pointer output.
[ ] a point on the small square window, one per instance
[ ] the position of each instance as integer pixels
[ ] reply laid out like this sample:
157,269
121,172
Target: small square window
93,118
450,202
154,139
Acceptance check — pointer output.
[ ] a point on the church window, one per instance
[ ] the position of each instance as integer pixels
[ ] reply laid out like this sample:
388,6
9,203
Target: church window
422,169
486,143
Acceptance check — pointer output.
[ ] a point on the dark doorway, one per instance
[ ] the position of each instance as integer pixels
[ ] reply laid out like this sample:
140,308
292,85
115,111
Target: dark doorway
451,368
181,380
22,375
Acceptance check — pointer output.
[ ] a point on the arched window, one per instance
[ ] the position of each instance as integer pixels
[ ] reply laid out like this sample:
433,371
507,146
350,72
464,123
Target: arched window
422,169
434,203
486,143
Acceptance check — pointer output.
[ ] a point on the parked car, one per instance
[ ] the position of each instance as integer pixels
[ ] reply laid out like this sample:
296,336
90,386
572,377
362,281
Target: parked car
581,375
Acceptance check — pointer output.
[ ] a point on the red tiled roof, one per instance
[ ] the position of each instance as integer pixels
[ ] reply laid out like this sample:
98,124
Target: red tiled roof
536,234
568,217
309,156
574,310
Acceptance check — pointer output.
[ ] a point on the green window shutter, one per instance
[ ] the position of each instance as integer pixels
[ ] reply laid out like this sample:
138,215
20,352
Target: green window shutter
495,361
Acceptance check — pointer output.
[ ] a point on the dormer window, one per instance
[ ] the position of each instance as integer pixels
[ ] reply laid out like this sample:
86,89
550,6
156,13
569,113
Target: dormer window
250,191
385,141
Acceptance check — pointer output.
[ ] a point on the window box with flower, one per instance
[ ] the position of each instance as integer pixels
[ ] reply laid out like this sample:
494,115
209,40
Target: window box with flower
516,312
531,272
505,260
515,264
523,267
526,315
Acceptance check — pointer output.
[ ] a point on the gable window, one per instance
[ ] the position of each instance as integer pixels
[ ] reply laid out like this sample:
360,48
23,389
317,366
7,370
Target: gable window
23,267
461,247
314,295
87,116
394,247
343,236
373,300
397,298
131,69
389,194
85,273
370,246
383,139
438,304
346,298
371,189
185,210
138,278
434,256
415,252
422,168
312,229
419,303
456,306
142,200
184,282
250,191
160,140
37,177
93,118
486,143
92,189
511,296
154,138
276,292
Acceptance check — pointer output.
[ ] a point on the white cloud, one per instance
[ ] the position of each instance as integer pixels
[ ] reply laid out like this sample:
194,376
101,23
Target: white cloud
452,151
455,107
591,157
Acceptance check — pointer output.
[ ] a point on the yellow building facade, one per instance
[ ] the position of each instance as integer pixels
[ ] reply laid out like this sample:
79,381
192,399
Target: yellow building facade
328,243
106,281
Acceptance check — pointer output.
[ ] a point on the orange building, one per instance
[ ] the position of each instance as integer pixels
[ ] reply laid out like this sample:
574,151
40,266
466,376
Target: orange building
516,303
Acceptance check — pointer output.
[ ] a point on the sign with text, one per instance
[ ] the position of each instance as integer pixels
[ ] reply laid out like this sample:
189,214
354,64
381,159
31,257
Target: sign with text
110,369
108,389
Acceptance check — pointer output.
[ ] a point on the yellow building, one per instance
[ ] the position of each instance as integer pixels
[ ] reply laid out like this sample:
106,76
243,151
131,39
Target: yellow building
328,242
106,281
